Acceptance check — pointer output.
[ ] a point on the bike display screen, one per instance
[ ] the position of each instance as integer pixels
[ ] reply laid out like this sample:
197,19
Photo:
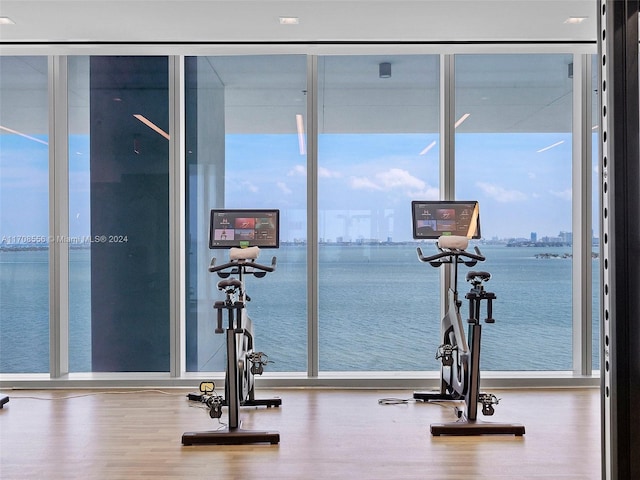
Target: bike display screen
244,228
433,219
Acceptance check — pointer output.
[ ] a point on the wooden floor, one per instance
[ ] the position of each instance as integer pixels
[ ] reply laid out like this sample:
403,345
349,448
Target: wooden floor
325,434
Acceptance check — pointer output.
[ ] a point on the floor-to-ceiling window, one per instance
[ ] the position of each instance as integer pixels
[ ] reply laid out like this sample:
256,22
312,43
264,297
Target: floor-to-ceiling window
513,153
246,148
378,149
24,215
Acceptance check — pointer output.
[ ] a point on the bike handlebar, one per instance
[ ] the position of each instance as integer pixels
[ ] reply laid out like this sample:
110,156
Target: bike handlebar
244,264
436,260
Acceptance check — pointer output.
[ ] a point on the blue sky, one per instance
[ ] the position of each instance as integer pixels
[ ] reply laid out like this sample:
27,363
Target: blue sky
366,182
523,185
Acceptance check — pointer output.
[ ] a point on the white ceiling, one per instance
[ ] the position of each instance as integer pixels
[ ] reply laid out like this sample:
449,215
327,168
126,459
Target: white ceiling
170,21
354,98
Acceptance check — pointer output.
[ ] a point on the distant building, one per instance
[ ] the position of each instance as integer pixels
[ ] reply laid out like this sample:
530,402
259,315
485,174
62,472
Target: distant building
567,237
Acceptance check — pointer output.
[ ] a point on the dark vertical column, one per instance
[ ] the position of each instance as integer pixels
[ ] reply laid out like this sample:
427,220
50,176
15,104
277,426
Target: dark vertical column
620,238
129,214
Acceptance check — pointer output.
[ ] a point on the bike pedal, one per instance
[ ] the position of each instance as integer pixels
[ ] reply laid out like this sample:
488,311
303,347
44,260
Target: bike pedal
487,410
215,411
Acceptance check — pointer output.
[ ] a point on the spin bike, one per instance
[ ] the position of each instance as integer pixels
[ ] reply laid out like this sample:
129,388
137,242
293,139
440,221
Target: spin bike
460,360
242,362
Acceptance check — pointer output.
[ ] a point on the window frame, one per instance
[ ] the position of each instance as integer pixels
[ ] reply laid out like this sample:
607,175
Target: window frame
582,373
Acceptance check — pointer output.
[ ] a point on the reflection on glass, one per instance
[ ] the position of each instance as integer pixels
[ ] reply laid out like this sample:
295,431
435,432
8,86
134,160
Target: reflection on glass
377,151
118,214
79,216
246,149
24,211
513,155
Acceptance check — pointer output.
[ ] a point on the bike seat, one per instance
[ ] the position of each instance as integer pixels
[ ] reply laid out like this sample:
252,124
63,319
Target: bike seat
250,253
454,242
232,282
482,276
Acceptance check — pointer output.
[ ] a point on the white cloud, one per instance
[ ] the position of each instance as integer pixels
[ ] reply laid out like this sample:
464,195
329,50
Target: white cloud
250,186
501,194
283,188
564,194
429,193
363,183
398,178
326,173
301,171
298,171
392,179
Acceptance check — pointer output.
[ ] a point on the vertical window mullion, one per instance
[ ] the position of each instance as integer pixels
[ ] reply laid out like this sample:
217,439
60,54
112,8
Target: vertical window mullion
447,130
581,213
177,186
58,218
313,363
447,153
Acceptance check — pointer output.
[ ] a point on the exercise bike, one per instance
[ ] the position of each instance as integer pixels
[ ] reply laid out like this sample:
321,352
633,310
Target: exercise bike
460,360
242,362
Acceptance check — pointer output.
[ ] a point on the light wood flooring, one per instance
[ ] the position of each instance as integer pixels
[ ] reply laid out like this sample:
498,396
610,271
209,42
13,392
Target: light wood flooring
325,434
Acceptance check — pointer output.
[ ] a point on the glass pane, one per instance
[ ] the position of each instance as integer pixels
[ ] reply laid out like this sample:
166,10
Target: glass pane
513,154
246,148
79,216
118,212
377,151
24,215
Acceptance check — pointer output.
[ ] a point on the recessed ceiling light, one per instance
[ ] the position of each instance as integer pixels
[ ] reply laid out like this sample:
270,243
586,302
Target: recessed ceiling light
151,125
300,128
550,146
461,119
575,20
289,20
6,21
10,130
426,149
